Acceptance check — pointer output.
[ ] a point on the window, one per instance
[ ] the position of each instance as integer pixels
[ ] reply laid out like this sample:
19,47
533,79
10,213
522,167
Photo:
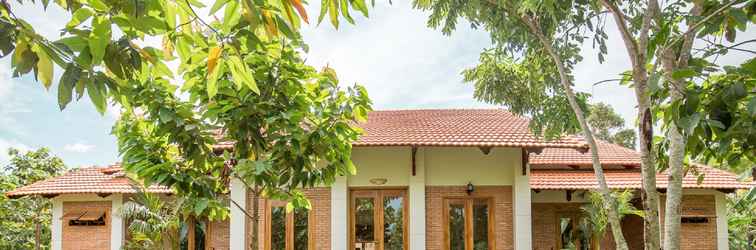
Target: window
569,234
287,231
86,218
192,235
468,223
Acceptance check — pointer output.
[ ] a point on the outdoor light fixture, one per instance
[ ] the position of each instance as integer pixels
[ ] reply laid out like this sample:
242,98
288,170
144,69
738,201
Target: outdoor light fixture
470,188
378,181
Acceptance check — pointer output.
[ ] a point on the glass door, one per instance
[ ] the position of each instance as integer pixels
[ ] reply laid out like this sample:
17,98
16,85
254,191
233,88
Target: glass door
468,224
378,220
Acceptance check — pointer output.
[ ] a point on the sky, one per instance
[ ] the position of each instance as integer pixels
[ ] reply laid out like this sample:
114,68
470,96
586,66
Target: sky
402,63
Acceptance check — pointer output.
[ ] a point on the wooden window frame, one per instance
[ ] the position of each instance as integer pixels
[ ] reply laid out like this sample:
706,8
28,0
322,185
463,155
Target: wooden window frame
378,194
289,228
468,202
575,217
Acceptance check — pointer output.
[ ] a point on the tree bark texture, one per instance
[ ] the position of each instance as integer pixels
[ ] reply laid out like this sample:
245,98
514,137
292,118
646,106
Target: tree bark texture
609,202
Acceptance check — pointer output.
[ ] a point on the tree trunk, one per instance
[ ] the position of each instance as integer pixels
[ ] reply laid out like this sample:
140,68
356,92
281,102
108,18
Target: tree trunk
636,51
610,203
37,234
670,63
255,244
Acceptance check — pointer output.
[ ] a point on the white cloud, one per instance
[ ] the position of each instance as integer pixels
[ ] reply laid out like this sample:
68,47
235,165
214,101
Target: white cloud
78,147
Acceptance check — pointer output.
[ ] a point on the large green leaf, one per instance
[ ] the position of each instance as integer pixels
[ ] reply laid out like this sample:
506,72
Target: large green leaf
67,82
99,38
81,15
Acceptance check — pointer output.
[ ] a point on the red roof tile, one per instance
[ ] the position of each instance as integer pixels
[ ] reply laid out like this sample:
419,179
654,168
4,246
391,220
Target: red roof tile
630,178
97,180
453,127
609,154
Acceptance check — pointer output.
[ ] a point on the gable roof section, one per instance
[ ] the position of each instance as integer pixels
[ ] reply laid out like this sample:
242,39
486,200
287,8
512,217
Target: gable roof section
454,127
609,154
88,180
631,179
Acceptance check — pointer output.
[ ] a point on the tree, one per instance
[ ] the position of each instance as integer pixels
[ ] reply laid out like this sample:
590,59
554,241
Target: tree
529,70
740,221
609,126
665,36
284,125
25,222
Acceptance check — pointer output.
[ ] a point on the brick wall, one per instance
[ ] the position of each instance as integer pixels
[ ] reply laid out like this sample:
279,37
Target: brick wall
699,236
320,199
693,236
434,198
86,237
218,235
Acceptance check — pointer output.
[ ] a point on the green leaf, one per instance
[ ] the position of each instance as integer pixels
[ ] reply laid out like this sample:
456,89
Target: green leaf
99,38
333,12
323,10
96,92
212,79
684,73
75,43
231,16
81,15
200,206
217,5
361,6
65,86
241,74
44,67
351,169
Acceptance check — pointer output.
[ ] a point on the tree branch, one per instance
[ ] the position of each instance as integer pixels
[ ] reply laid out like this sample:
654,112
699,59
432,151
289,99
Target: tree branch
695,26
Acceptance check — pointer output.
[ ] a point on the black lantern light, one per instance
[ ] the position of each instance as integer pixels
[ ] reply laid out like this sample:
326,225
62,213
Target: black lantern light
470,188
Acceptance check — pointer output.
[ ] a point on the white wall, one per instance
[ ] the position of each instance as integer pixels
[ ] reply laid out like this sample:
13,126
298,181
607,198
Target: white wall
237,227
339,213
522,212
417,202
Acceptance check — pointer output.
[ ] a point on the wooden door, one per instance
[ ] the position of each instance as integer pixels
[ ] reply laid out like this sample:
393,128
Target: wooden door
378,219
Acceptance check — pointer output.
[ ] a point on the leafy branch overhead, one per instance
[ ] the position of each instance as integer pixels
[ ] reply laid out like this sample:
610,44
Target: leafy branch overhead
236,77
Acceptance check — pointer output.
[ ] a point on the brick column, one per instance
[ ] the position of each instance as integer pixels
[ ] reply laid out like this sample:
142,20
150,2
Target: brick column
417,203
521,200
238,226
339,213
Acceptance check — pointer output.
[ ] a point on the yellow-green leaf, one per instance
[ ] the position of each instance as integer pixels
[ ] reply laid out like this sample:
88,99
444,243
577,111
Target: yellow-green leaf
44,69
99,38
270,25
333,12
212,80
81,15
242,74
231,15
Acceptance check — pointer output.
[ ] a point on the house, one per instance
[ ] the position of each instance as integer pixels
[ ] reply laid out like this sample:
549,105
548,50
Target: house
426,179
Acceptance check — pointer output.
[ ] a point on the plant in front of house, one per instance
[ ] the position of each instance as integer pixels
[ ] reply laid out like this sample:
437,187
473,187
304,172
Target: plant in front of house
593,224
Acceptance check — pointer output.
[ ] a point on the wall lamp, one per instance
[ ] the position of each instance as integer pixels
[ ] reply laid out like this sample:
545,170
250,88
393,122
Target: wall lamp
470,188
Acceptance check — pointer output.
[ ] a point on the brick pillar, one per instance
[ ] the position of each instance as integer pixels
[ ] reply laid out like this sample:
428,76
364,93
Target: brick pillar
521,200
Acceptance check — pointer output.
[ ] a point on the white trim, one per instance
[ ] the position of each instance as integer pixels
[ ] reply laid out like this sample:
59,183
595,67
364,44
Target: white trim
522,211
339,215
417,203
57,224
237,227
722,234
116,222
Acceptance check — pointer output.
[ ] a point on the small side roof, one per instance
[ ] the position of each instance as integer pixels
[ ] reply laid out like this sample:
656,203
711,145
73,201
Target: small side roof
567,169
87,180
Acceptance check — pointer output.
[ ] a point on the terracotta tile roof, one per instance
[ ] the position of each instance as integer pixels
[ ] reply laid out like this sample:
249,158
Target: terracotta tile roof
609,154
453,127
630,178
88,180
